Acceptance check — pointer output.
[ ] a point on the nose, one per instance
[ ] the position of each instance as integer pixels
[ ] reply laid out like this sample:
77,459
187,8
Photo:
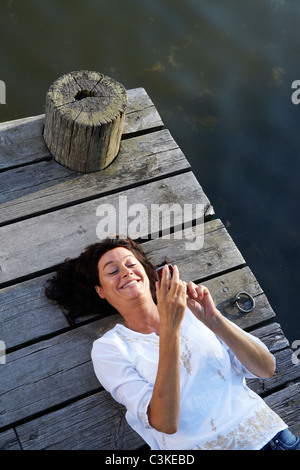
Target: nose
126,271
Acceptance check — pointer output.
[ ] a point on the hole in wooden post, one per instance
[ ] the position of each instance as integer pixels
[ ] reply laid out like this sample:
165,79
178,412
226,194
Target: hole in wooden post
81,94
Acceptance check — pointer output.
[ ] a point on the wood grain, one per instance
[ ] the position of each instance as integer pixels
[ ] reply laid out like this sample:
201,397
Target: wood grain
84,119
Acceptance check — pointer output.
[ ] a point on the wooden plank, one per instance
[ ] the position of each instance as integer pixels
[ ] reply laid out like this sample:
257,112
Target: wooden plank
104,428
286,372
30,373
286,403
25,135
141,114
96,421
53,365
49,373
25,309
26,180
272,336
93,423
26,314
217,255
9,440
45,241
224,289
21,142
141,159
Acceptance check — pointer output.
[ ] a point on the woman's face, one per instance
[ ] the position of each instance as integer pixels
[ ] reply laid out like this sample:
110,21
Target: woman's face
122,277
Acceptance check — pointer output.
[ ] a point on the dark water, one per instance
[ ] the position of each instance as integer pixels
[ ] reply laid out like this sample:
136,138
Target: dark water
220,74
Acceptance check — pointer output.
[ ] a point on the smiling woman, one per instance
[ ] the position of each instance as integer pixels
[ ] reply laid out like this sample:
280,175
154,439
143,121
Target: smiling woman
177,395
123,282
76,287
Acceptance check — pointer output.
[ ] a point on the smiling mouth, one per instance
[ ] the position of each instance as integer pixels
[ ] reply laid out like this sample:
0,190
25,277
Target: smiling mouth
135,281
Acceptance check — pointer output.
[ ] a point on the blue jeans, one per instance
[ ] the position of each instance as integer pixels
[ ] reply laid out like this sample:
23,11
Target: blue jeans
284,440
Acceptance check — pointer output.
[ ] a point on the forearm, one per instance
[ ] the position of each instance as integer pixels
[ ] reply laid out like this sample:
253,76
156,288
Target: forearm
251,354
163,410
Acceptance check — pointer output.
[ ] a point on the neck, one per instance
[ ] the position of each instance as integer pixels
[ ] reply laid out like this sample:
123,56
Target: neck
143,318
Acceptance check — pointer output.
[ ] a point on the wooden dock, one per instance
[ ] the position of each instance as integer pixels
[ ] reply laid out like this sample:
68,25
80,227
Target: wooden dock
49,395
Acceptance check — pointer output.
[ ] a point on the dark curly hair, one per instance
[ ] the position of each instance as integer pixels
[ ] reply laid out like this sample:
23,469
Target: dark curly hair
73,286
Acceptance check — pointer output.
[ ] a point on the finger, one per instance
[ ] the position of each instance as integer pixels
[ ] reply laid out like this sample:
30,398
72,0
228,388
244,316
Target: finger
202,290
165,278
191,302
184,288
174,281
192,290
157,286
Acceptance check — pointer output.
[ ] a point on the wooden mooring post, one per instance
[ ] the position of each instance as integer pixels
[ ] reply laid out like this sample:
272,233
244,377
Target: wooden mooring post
84,120
49,395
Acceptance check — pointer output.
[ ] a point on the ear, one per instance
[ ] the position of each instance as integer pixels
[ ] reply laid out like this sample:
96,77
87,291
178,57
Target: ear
99,291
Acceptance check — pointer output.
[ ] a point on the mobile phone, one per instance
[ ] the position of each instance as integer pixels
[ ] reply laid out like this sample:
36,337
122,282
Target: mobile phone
159,271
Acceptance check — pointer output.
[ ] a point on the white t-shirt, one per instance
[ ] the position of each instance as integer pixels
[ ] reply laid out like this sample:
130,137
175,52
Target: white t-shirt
217,409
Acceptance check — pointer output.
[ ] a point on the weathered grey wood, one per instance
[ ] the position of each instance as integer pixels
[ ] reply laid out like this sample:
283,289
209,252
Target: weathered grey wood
84,119
67,429
49,373
24,307
217,255
272,336
62,365
286,372
141,114
23,367
27,315
9,440
44,241
224,288
28,180
21,140
143,158
56,372
286,403
93,423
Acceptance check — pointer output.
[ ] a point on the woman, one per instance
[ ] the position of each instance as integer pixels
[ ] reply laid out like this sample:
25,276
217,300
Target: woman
177,364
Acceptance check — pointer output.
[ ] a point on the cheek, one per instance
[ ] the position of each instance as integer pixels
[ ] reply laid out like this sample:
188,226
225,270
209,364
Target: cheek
106,286
108,292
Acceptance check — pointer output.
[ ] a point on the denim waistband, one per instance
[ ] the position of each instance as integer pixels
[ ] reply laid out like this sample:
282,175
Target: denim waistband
284,440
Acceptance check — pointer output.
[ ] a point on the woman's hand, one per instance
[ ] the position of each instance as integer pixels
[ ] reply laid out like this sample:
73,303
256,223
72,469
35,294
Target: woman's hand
251,354
171,300
201,304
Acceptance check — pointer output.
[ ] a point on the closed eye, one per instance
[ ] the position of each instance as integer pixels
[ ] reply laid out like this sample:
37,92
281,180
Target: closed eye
115,271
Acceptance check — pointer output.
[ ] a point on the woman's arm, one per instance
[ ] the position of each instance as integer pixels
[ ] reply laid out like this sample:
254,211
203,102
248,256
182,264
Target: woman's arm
252,355
163,410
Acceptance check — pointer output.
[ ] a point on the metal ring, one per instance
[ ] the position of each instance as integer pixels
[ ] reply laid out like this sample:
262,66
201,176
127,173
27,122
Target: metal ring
237,298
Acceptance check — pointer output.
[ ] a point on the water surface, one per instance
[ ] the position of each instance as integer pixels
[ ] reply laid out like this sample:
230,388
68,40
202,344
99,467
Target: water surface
219,73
